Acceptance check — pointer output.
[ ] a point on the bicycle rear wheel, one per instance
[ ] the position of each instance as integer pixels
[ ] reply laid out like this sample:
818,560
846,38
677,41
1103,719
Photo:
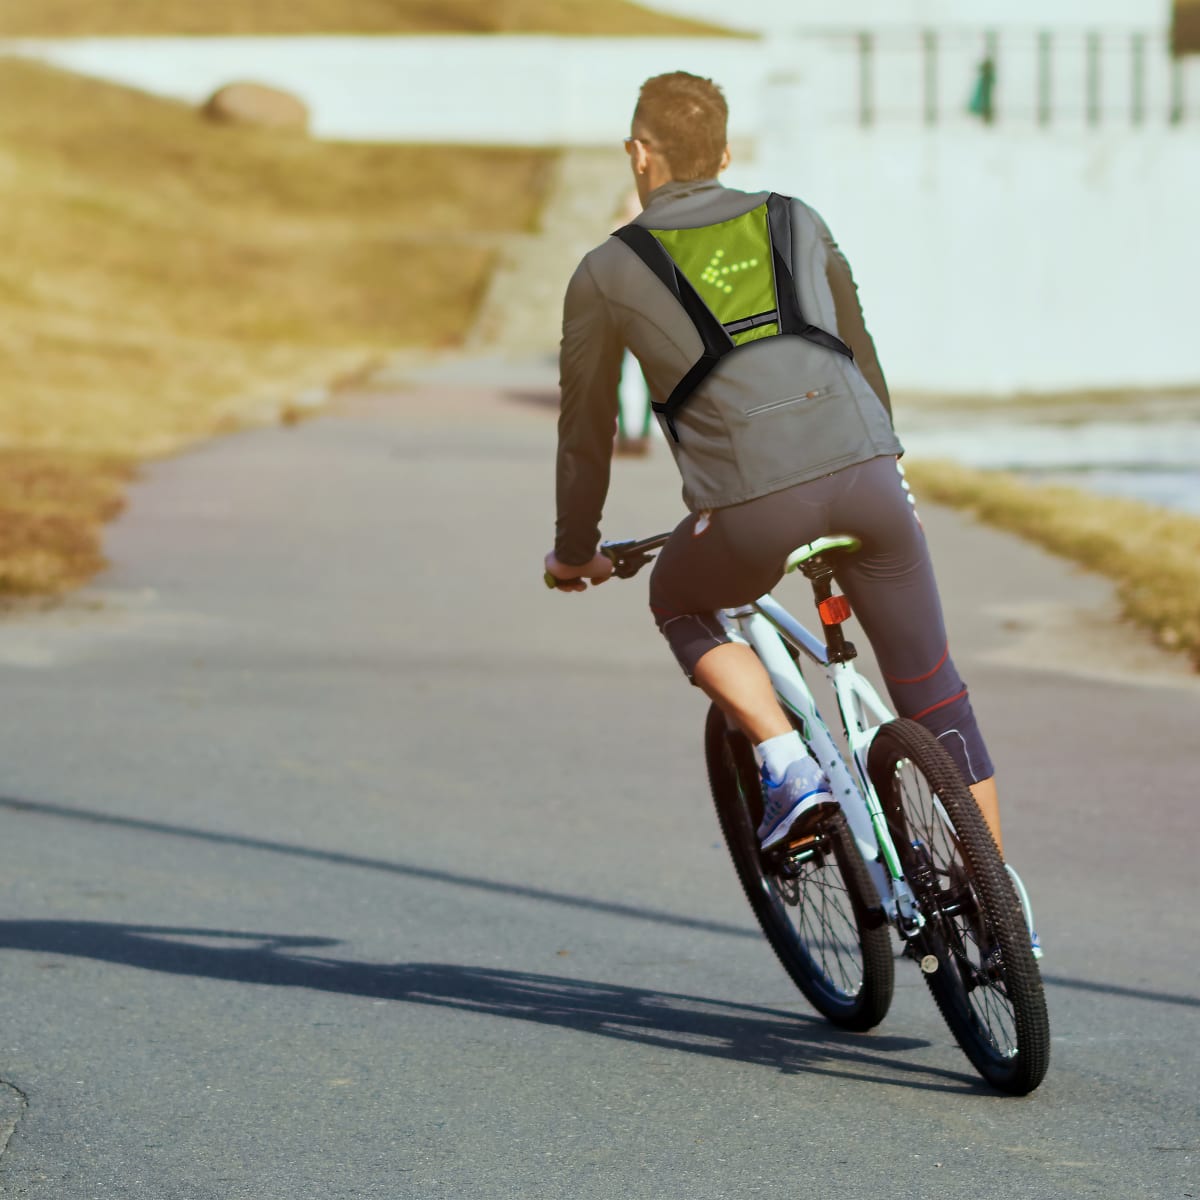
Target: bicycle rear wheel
986,981
814,900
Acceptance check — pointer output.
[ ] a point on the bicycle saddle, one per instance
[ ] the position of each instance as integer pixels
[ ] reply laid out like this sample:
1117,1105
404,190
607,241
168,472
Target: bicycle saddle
822,545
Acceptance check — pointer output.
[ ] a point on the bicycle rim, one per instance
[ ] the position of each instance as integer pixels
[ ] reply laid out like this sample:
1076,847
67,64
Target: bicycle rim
814,900
986,981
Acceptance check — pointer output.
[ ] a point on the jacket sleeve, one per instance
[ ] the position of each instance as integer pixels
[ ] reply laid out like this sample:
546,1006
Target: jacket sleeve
589,372
852,327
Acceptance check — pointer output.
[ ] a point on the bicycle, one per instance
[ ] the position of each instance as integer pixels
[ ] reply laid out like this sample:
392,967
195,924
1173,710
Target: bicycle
908,849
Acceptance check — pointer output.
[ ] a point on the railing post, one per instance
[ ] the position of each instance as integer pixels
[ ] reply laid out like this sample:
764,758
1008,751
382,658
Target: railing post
1045,69
930,43
1137,49
1093,79
866,90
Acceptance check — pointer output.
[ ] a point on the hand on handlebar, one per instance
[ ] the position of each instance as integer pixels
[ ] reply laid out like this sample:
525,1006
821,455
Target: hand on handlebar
569,578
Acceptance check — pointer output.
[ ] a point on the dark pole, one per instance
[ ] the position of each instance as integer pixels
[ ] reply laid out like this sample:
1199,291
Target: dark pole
866,46
1138,65
1177,96
1093,79
1045,77
930,41
992,41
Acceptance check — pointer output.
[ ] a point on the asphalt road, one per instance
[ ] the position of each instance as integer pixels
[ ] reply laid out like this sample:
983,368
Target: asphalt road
340,859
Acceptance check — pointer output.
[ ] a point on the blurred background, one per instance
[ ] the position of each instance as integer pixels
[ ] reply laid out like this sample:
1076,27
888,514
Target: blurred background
338,848
1014,184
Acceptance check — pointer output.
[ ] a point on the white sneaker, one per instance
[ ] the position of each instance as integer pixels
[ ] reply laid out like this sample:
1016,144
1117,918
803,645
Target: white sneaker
794,803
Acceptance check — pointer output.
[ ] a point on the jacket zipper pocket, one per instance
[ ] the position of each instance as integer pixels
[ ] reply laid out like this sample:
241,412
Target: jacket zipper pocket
815,394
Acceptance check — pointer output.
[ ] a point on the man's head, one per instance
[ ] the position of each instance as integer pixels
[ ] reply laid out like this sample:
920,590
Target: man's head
678,131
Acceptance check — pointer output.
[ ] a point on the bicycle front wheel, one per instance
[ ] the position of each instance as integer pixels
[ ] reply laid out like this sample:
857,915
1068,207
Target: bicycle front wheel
815,902
974,948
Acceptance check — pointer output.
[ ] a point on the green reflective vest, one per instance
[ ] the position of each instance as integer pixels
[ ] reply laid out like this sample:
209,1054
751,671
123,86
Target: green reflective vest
734,280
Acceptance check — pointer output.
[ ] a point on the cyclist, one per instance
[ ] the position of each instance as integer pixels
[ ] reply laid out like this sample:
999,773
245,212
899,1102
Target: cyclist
829,464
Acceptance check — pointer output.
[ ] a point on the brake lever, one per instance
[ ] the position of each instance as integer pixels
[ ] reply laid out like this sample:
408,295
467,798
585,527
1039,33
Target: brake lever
628,565
627,558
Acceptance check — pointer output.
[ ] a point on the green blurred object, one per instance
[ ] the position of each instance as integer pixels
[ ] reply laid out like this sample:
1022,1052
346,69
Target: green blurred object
634,415
982,98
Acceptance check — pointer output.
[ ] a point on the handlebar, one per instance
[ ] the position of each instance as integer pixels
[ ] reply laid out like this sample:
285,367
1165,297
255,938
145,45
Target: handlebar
628,558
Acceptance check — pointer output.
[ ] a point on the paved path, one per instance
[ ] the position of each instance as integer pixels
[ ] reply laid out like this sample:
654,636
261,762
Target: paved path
341,860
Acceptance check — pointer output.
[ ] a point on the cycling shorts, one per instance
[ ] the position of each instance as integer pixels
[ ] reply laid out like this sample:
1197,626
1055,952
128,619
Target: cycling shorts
733,555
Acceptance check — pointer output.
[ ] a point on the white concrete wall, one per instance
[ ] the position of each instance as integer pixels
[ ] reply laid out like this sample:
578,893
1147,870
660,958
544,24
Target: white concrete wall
1028,262
538,91
1011,256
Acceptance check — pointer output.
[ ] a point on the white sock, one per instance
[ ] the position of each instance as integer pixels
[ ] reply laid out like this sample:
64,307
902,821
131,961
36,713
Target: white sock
776,754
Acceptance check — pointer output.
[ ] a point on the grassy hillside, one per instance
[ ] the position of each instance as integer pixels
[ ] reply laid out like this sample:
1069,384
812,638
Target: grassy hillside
162,277
67,18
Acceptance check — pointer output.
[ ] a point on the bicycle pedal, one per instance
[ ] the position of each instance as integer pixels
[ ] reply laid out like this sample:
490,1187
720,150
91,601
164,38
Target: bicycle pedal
805,841
786,859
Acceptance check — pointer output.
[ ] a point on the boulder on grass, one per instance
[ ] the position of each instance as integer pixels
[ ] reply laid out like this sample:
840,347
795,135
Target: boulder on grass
257,104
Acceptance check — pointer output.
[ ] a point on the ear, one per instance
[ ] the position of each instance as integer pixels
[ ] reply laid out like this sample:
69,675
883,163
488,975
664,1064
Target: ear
640,158
725,157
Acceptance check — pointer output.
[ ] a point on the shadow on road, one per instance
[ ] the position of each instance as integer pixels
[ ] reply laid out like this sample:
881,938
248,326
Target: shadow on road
434,875
410,870
790,1043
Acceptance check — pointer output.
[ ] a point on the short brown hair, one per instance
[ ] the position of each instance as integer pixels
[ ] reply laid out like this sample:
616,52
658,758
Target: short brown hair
684,116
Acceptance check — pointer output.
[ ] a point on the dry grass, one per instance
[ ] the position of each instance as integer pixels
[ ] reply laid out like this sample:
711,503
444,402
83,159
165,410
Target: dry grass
1153,555
163,279
67,18
52,506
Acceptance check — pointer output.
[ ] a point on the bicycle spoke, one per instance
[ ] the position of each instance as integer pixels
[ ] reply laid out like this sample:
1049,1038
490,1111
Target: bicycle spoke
812,904
985,981
963,927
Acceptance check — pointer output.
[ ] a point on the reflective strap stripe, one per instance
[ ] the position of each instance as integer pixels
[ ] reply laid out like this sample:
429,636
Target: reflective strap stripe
763,318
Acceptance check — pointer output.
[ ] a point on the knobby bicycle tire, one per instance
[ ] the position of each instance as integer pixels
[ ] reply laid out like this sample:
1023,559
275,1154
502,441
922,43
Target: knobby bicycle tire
825,925
986,981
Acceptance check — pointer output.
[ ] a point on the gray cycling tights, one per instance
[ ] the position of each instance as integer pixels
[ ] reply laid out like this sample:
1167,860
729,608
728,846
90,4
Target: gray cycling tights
738,553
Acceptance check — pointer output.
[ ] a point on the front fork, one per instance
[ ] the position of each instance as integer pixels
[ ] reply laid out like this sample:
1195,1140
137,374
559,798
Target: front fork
863,711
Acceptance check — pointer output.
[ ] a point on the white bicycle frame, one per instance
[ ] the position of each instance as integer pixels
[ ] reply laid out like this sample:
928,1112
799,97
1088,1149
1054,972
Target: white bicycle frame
765,626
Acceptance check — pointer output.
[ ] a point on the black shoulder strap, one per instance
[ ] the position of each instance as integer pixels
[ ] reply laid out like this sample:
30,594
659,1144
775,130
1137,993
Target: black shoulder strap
791,319
713,334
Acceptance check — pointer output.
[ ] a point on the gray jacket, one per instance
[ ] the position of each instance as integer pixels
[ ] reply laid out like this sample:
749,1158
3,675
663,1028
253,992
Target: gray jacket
777,412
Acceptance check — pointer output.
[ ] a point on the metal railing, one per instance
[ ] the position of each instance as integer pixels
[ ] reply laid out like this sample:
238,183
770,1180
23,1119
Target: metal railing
1101,78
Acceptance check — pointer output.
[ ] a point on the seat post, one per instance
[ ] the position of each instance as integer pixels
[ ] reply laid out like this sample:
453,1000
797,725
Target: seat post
820,573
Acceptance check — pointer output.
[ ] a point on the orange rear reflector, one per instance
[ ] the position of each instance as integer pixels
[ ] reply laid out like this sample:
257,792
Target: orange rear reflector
834,610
